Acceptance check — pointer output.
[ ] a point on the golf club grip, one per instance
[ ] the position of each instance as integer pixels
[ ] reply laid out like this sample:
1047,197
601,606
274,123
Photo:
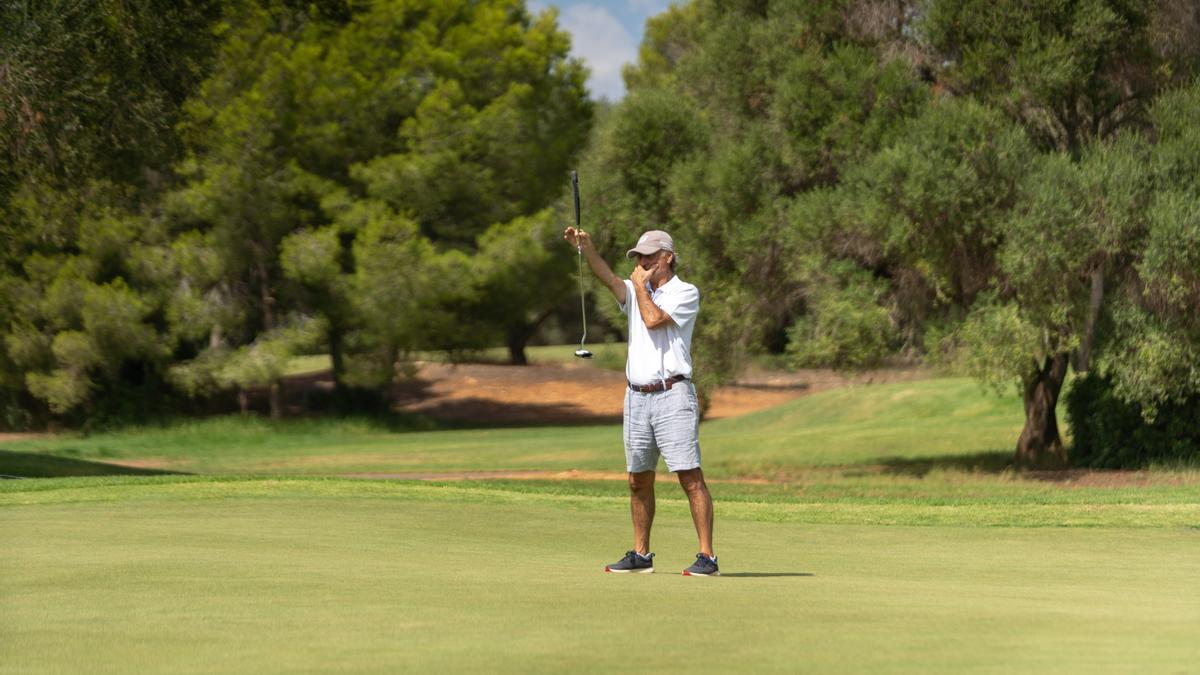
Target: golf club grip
575,190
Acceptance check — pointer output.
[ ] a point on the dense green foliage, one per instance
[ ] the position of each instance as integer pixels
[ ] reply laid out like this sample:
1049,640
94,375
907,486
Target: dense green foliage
225,184
1109,432
977,183
89,97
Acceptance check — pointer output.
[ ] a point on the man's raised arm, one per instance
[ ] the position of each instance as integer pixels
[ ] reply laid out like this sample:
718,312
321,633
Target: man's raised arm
583,241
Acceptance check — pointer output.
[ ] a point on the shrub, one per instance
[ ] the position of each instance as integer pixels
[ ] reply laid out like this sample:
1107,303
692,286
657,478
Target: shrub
1112,433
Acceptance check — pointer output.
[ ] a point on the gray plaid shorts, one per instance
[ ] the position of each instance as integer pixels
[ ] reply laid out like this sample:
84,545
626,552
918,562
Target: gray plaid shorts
662,422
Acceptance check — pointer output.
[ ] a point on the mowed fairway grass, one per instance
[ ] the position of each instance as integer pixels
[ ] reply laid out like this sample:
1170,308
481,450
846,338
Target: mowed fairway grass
890,537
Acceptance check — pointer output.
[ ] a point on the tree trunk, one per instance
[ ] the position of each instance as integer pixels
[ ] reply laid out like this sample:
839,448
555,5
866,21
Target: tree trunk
518,337
1084,361
1040,445
275,389
336,359
264,286
516,348
275,397
243,401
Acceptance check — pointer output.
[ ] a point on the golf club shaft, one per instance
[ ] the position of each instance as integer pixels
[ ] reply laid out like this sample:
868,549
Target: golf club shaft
582,305
575,190
579,248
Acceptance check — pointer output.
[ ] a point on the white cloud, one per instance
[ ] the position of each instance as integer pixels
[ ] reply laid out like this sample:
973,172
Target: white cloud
649,7
600,40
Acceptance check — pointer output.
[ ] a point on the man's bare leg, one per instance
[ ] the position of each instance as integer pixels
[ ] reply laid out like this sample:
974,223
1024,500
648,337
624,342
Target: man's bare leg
700,503
641,506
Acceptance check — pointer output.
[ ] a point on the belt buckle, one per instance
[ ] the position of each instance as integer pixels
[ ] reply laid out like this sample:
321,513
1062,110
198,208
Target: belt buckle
661,385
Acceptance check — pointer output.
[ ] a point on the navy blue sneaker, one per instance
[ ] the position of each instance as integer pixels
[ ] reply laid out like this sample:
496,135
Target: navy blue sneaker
703,567
633,563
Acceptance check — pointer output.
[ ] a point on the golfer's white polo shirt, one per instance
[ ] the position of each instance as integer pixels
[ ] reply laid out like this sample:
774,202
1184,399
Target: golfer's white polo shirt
662,353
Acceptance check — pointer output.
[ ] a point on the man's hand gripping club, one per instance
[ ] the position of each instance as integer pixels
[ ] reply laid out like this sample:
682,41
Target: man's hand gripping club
583,242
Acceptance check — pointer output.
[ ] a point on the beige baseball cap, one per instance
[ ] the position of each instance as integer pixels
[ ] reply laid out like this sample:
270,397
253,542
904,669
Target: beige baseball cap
652,242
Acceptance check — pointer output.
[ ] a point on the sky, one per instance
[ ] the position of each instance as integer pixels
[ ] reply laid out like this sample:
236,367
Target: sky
605,34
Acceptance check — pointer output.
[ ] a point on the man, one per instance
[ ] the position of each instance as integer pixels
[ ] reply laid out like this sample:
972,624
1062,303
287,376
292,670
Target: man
662,415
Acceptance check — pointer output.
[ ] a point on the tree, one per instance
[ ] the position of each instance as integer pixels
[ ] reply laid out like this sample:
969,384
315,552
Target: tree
405,293
1137,405
993,248
1079,78
1069,73
485,148
1150,351
245,191
971,176
736,112
83,319
89,94
92,89
521,275
451,116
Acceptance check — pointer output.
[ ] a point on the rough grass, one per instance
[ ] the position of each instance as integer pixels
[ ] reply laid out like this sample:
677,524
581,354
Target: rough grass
932,423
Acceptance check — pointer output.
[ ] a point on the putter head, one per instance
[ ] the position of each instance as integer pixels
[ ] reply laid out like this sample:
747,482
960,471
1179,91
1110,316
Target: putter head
583,353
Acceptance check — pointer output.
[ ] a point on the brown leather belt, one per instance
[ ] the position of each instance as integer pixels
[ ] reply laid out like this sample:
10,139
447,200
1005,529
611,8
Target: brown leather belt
657,386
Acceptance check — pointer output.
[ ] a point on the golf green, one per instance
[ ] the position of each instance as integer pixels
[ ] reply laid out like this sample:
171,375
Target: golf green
267,576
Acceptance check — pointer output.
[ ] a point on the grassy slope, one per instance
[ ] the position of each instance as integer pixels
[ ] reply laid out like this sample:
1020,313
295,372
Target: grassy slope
886,423
939,418
159,575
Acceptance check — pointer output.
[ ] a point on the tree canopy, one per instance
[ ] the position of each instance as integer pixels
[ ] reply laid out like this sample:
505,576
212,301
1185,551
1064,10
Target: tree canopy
319,168
975,184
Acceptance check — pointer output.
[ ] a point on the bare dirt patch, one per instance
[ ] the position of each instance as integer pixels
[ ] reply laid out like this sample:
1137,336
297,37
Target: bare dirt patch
10,437
584,394
511,395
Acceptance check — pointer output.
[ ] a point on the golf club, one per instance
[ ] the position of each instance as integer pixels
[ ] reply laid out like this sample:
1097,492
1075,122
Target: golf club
582,352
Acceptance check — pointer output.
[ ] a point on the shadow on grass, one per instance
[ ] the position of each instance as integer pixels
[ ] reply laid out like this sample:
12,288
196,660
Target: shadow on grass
34,465
759,575
990,461
995,462
483,413
414,405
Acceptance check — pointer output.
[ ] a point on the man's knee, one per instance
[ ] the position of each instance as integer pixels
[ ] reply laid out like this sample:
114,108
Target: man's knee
641,482
692,481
